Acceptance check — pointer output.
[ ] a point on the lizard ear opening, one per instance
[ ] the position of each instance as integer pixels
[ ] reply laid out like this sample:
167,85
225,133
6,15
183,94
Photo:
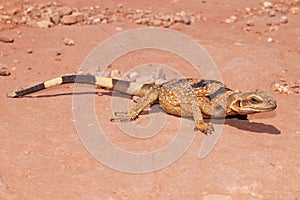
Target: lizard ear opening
235,105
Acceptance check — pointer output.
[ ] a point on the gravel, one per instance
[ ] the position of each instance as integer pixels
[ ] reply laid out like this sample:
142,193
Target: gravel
50,14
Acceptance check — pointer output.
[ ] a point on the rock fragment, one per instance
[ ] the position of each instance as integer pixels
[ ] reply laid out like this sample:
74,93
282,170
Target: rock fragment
250,23
186,20
294,10
268,4
69,42
72,19
4,71
62,11
283,19
270,39
55,18
115,74
177,19
231,19
6,39
44,24
29,51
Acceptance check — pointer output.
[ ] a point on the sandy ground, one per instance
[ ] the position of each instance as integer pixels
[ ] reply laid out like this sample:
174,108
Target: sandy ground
42,156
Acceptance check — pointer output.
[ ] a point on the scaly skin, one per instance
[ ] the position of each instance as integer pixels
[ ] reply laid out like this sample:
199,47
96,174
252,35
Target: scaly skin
186,97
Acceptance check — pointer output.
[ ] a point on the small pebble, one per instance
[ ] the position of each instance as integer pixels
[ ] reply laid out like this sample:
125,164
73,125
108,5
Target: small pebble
270,39
96,20
250,23
248,10
69,42
62,11
177,19
231,19
4,71
138,21
186,20
283,89
104,21
44,24
6,39
14,11
283,19
55,18
29,51
246,28
72,19
115,74
268,4
274,28
294,10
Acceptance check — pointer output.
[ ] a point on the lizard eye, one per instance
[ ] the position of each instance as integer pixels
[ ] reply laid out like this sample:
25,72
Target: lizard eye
254,100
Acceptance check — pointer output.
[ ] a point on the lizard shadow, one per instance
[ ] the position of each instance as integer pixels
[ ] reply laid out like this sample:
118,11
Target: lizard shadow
108,93
242,123
239,121
60,94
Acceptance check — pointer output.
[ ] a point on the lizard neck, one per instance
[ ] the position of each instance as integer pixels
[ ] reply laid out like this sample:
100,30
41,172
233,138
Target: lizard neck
231,98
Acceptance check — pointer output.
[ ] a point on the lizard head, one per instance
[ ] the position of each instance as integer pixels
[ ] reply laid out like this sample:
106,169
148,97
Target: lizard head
252,102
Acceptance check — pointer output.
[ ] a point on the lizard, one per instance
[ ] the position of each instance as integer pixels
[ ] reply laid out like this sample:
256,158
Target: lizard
190,97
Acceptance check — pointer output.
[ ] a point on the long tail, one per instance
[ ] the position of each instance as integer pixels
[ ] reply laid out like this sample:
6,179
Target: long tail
132,88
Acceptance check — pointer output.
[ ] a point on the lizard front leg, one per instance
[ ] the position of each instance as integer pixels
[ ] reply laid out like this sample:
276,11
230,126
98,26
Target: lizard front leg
206,128
134,111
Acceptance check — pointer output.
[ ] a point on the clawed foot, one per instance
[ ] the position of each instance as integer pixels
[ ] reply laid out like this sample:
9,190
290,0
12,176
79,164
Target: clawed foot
121,116
206,128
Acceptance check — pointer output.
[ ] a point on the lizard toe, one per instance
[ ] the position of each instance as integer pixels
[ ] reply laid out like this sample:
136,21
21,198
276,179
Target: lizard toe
206,128
121,116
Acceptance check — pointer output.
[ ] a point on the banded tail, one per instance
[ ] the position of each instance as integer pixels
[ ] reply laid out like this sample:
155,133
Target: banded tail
132,88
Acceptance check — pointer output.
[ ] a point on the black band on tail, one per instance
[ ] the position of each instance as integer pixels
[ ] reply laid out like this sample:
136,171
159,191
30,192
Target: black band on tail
85,79
35,88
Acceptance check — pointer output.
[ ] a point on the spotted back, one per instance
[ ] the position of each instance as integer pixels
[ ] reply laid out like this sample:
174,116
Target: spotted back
177,97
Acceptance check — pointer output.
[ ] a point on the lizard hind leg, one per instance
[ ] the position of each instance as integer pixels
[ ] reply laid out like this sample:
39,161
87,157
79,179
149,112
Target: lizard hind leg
134,111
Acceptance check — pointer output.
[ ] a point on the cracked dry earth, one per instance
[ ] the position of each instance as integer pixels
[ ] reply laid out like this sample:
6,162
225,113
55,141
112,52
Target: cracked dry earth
255,45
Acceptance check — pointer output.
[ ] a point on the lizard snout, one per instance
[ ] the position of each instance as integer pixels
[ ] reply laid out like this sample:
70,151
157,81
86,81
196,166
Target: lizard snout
272,103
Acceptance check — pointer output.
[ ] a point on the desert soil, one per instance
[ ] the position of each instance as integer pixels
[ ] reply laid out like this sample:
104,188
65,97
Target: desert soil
255,45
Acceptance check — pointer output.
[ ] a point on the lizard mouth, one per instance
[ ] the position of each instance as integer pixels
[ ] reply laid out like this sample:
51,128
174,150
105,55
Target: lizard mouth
253,108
